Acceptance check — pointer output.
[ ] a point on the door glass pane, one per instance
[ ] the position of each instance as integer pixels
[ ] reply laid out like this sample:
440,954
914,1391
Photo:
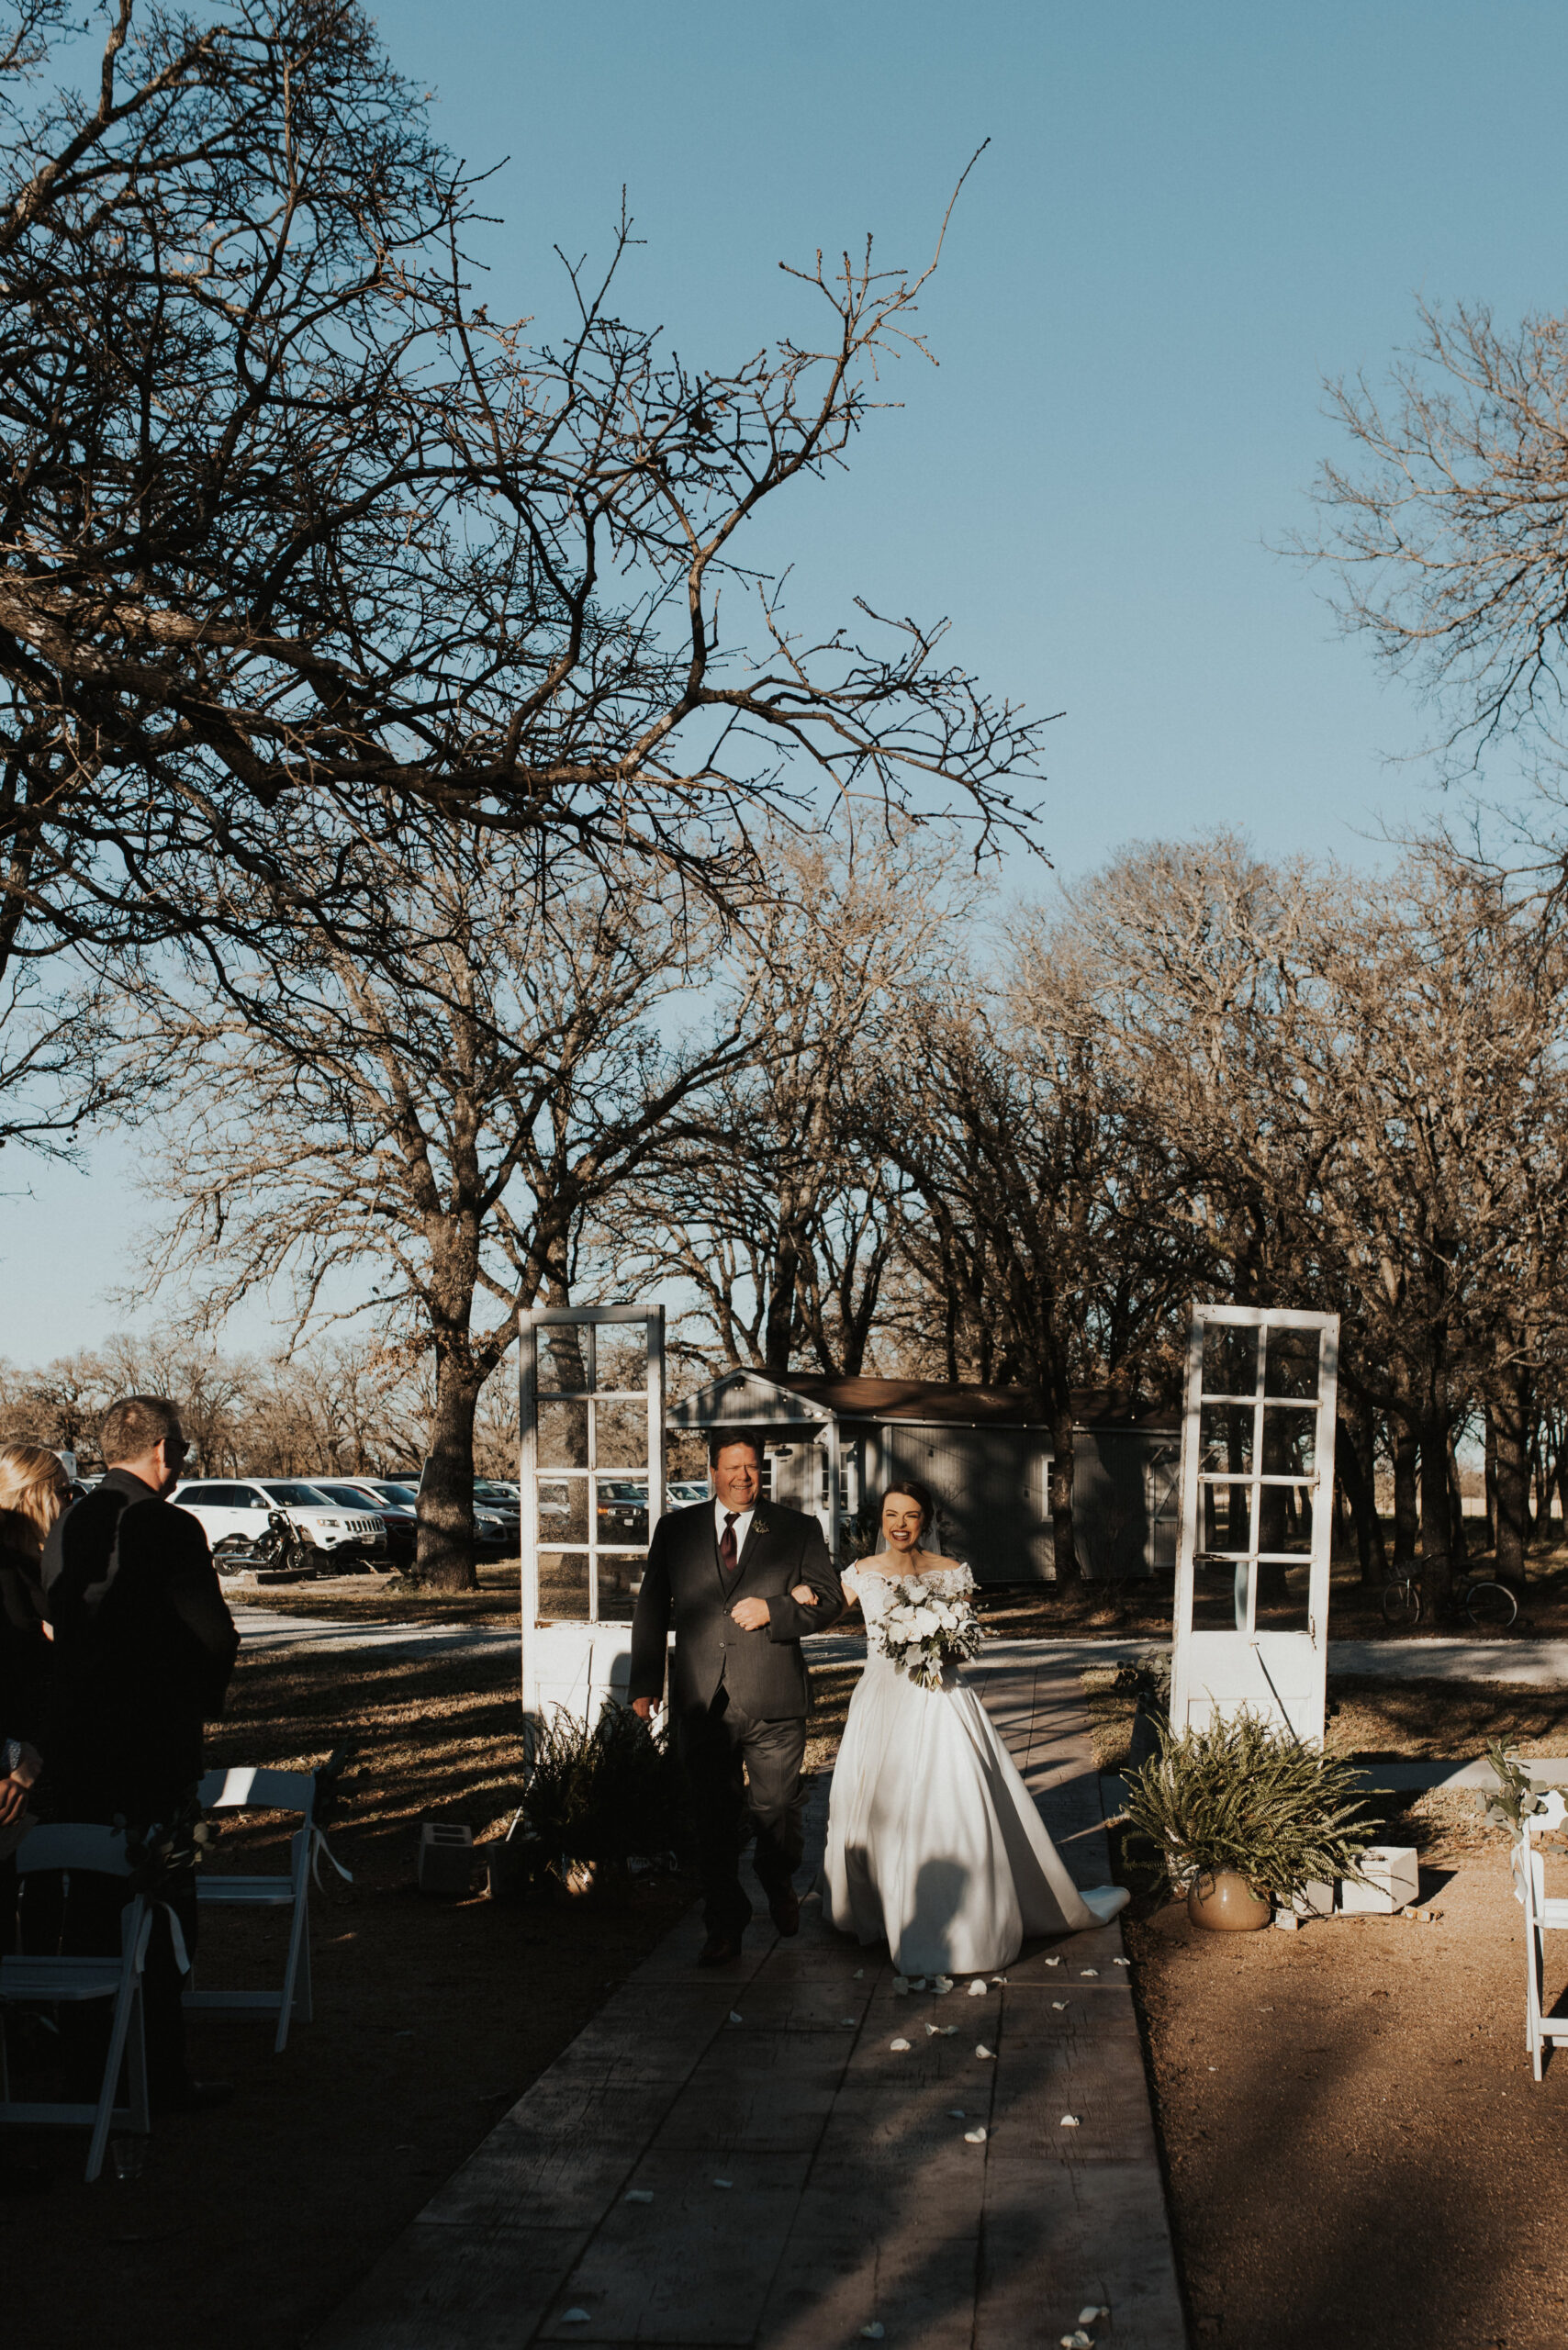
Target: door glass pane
1290,1439
1291,1366
562,1509
1284,1591
562,1358
1230,1359
1219,1595
622,1511
563,1435
622,1351
1285,1517
1224,1435
617,1593
563,1584
1227,1518
623,1433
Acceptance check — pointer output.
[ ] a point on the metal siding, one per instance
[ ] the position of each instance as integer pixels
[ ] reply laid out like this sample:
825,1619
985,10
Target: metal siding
987,1482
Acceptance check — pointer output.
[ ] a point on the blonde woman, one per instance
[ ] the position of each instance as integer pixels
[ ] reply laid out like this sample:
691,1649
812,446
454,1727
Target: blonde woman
34,1490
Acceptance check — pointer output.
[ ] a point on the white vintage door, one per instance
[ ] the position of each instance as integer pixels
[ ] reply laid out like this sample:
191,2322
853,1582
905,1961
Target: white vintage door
1257,1516
591,1422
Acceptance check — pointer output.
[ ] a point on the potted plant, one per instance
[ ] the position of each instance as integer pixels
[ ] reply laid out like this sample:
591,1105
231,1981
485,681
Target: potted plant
1243,1816
594,1796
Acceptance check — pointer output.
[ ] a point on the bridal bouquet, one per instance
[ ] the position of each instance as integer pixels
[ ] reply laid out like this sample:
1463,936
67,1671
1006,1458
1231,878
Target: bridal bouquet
924,1632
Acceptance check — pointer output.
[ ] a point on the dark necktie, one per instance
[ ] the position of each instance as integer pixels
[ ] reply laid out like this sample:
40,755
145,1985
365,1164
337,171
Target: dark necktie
729,1558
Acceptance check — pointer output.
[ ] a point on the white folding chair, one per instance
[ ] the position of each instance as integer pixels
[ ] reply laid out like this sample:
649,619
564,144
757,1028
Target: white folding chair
260,1790
43,1981
1541,1916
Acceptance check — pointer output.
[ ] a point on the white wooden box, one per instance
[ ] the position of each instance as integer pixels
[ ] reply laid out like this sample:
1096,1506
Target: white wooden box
446,1858
1393,1880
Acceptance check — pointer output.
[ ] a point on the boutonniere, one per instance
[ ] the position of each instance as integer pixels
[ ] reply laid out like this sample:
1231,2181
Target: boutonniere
759,1525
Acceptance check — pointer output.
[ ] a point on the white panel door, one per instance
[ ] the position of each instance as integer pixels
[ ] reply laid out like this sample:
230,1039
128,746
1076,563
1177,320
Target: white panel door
1257,1516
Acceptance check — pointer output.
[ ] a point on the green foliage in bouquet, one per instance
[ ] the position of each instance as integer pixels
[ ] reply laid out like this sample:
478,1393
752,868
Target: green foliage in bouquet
603,1792
1517,1798
1240,1795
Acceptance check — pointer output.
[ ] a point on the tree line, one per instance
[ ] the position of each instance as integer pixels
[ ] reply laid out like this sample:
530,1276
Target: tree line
420,816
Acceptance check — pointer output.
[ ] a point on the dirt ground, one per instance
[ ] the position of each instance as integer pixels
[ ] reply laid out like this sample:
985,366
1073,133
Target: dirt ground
432,2018
1356,2150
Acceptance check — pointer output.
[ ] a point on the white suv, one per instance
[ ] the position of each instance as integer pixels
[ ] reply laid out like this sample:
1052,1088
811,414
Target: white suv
232,1512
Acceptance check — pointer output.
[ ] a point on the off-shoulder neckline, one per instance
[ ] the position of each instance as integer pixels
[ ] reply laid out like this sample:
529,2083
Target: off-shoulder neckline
960,1567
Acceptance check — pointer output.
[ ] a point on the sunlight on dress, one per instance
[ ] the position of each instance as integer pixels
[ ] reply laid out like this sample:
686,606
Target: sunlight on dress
934,1841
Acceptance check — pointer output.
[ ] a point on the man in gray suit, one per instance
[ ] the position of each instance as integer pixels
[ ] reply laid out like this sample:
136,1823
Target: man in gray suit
744,1582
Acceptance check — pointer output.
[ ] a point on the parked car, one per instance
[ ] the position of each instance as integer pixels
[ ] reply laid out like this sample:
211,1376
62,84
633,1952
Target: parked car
495,1535
399,1523
685,1493
233,1513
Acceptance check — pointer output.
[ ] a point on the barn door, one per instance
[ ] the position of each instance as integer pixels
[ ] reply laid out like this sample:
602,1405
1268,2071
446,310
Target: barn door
1257,1516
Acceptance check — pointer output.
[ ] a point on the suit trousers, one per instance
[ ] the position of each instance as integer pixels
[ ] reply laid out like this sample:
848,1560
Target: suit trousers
743,1777
91,1928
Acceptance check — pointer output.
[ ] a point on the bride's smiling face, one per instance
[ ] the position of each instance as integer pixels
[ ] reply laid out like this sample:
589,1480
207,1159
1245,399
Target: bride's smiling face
901,1522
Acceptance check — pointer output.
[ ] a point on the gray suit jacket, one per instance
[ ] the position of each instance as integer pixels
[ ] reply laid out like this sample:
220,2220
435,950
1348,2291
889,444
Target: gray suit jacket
764,1669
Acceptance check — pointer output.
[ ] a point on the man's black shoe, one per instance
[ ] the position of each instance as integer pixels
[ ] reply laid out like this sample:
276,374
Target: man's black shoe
784,1908
719,1949
192,2096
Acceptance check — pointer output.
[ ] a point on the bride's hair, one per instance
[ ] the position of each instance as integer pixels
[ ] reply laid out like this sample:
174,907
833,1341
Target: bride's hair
921,1495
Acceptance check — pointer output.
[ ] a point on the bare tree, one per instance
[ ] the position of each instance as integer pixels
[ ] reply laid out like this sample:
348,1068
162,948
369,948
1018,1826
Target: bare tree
289,521
772,1213
420,1137
1448,529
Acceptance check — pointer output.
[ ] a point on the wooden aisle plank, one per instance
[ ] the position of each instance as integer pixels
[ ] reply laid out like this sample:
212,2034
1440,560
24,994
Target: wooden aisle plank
852,2195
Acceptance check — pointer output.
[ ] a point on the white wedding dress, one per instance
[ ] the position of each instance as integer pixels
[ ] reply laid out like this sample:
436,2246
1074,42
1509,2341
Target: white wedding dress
933,1842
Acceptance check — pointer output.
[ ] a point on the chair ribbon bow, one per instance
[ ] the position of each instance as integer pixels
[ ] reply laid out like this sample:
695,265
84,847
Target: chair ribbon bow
320,1849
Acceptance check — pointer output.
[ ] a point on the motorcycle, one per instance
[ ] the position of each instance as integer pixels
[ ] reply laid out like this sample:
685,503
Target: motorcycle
276,1551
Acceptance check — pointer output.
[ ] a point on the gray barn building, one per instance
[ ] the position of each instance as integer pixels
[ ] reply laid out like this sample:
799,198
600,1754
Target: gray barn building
833,1444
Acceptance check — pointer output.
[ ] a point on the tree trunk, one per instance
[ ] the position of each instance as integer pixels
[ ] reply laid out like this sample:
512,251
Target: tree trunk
1505,1420
1492,1536
1406,1518
1456,1504
1362,1495
1064,1541
1436,1528
445,1556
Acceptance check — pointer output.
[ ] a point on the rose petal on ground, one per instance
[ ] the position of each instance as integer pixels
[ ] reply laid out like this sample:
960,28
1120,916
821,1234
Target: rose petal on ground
724,2182
957,2113
900,2046
940,1982
977,1987
638,2195
735,2019
847,2024
860,1973
1070,2122
983,2053
1121,1961
1002,1978
974,2137
1088,1970
1087,2317
1059,2005
872,2333
917,1982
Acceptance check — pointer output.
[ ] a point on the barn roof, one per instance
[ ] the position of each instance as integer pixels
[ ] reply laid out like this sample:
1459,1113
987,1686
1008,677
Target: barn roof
799,1397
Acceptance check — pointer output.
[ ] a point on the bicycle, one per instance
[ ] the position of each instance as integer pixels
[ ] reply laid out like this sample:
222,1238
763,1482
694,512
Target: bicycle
1490,1605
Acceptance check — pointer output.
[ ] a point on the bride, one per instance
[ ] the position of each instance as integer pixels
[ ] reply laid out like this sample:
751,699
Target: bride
934,1841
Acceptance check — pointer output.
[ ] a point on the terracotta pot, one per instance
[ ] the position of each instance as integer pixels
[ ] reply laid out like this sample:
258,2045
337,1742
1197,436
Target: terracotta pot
1226,1903
580,1878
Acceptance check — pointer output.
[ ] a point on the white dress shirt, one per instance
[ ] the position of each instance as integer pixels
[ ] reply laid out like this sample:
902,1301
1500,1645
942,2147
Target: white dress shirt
742,1523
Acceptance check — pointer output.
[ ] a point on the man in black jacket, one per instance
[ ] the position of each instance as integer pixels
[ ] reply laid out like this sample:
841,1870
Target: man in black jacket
144,1645
744,1582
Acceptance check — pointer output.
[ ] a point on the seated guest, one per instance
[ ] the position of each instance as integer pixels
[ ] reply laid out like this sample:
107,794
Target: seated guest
34,1490
144,1647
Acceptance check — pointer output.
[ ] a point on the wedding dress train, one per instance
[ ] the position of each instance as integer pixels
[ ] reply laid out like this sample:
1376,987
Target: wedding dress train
933,1841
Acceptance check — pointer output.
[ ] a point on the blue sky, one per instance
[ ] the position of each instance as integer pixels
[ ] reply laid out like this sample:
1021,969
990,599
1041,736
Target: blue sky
1185,219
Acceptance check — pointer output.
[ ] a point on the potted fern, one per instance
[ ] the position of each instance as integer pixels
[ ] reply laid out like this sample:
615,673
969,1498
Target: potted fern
1242,1815
594,1794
